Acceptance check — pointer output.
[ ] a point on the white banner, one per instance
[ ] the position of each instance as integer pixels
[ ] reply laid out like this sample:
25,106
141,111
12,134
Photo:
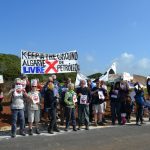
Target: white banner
1,79
41,63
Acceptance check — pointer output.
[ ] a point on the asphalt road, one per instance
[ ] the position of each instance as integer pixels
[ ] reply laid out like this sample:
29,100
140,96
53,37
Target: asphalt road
129,137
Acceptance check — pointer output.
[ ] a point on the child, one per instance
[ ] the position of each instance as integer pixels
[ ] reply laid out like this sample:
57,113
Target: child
34,107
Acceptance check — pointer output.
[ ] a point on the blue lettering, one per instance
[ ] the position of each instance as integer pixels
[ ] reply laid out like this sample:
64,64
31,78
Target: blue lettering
33,70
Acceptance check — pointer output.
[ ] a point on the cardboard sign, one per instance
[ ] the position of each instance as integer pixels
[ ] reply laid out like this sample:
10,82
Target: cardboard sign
1,95
83,99
1,79
101,95
41,63
74,98
35,97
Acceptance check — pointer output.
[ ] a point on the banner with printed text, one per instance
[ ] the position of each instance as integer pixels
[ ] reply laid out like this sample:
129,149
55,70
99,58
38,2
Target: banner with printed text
41,63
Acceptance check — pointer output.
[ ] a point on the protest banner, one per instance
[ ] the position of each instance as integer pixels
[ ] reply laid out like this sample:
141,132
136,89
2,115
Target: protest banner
41,63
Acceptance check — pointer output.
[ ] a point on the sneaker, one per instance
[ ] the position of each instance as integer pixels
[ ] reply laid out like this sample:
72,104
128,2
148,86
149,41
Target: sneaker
66,129
128,121
50,132
56,130
138,124
96,124
38,131
87,128
74,129
101,124
104,121
30,132
22,133
13,135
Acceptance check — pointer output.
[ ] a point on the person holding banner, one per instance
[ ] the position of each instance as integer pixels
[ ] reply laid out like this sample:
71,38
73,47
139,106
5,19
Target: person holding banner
84,97
17,107
34,107
98,97
115,103
70,100
50,105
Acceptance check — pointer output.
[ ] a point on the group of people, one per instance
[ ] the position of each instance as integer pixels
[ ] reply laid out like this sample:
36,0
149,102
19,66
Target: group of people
82,105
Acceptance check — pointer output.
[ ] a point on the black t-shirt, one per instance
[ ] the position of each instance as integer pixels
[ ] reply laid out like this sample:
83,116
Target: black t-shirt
96,98
84,91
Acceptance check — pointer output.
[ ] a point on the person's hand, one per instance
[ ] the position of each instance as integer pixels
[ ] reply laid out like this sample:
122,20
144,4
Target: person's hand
80,94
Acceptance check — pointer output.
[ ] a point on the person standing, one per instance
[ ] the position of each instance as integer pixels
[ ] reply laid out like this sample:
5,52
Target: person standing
123,95
50,105
70,100
148,87
1,99
17,107
98,97
89,84
139,99
84,97
34,107
115,103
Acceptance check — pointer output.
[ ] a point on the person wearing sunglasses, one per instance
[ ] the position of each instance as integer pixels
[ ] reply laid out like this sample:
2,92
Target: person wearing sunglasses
17,95
34,107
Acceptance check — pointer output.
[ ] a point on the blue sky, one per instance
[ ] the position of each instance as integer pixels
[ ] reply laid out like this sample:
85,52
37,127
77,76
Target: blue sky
102,31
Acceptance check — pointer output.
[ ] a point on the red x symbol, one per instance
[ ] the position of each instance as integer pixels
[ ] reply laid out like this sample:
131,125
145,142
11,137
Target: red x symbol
51,66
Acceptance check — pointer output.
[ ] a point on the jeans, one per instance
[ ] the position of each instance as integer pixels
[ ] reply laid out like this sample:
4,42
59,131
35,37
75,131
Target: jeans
17,113
139,113
52,114
83,114
70,115
115,111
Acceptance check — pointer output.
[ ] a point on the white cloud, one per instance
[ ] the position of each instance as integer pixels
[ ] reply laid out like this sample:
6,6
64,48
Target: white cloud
126,57
129,63
89,58
144,63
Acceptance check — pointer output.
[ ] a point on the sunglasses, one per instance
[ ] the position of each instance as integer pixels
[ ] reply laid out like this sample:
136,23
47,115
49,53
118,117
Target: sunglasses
18,83
33,86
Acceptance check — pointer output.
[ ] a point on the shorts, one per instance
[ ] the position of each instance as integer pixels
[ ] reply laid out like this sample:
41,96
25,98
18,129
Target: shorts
98,108
33,115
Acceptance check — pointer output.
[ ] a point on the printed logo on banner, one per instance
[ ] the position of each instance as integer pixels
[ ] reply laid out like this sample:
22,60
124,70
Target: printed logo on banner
51,66
40,63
